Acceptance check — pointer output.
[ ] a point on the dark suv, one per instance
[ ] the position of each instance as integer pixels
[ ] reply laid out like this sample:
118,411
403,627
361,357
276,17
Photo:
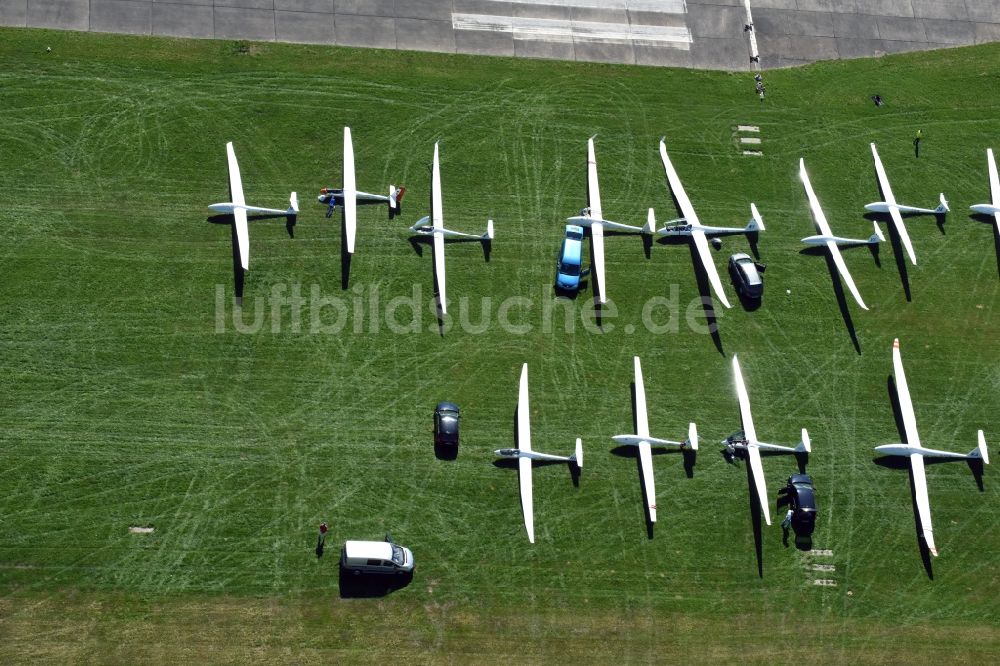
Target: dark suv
800,496
446,424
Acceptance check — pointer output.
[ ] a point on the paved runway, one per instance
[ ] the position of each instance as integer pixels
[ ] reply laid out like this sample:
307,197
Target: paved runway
705,34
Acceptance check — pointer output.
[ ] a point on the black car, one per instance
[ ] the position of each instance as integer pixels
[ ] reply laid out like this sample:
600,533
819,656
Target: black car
746,275
446,424
800,496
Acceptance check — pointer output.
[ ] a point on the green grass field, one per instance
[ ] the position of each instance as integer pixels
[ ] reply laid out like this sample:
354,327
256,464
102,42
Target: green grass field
122,404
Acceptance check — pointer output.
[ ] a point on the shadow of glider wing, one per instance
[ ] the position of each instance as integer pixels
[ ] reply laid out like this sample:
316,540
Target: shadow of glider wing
824,229
687,211
753,452
913,439
890,200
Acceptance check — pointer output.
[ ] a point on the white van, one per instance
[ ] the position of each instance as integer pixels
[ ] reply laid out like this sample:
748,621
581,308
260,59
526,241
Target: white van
377,557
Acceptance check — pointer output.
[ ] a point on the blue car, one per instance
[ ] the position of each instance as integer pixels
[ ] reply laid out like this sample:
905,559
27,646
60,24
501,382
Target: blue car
569,266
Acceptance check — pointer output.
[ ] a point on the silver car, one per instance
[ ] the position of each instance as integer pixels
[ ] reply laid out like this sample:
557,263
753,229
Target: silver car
746,275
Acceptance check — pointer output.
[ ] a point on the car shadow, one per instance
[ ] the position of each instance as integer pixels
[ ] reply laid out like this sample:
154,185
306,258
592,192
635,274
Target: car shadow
749,304
803,540
572,294
445,451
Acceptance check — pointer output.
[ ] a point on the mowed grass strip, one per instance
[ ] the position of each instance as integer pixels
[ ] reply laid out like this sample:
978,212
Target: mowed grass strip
119,629
131,396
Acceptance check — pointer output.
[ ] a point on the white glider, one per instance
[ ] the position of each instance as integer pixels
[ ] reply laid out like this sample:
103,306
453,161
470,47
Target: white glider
994,207
349,197
832,242
593,216
525,455
436,230
917,453
350,191
239,209
689,225
642,440
750,446
894,209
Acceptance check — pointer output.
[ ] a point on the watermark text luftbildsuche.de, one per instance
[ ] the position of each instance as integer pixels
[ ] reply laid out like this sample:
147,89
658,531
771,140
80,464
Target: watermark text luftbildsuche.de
297,309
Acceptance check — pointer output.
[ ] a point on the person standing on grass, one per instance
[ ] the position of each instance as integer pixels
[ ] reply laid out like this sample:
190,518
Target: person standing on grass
916,143
323,528
785,525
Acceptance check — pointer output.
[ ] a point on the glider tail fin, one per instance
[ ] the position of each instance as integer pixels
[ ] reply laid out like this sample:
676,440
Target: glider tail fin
577,456
293,204
650,225
980,452
395,200
876,237
489,230
805,446
692,440
756,221
943,208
